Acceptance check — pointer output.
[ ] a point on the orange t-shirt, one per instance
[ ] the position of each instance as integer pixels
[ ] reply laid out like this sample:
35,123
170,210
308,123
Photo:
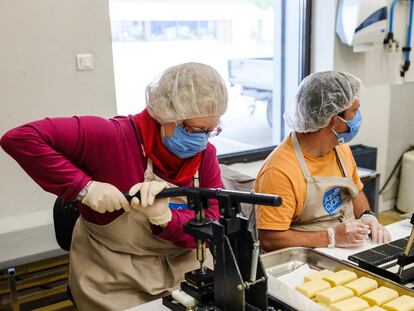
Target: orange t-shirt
281,174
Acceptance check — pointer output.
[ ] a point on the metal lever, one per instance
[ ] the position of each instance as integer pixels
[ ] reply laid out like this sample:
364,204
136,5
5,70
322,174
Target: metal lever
407,250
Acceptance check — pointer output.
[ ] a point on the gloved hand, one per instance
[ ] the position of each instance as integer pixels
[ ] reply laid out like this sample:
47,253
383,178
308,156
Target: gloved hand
350,233
378,233
104,197
157,211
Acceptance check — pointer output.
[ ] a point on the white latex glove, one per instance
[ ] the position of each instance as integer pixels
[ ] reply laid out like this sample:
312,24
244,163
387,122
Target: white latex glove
104,197
378,232
350,233
157,211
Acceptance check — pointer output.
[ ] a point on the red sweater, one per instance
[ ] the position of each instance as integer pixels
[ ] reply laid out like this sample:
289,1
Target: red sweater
63,154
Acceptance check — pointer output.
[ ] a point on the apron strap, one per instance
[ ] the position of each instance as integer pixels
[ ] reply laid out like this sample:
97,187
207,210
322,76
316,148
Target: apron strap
340,162
299,155
149,173
150,176
196,180
302,162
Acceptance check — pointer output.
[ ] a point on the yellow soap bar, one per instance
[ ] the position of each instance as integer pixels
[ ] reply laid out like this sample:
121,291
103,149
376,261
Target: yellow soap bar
379,296
362,285
318,275
340,277
334,294
309,289
375,308
350,304
403,303
325,306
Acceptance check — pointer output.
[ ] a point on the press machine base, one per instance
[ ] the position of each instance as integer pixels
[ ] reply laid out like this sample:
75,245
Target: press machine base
228,287
239,281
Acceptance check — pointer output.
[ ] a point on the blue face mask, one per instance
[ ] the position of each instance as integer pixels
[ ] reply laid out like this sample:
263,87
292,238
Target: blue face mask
354,124
185,145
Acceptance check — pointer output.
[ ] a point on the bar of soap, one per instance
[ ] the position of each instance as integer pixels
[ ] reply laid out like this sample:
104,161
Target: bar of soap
340,277
379,296
350,304
403,303
318,275
334,294
325,306
375,308
362,285
309,289
184,298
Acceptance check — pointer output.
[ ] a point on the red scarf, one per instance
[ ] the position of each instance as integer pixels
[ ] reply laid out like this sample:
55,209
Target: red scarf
179,170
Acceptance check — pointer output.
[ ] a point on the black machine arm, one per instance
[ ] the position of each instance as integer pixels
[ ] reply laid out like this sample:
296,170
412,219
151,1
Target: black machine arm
405,259
229,201
215,193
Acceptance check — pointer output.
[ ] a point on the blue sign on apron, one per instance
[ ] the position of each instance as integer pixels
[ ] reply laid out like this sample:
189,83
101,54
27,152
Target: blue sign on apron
332,200
178,206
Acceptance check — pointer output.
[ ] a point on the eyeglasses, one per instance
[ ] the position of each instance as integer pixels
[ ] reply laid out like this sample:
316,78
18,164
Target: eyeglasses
194,129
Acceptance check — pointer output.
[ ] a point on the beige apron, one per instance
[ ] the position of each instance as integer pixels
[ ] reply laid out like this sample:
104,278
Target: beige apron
328,200
123,264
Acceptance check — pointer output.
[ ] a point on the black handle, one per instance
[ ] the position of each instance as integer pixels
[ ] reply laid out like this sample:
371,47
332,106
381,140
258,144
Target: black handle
215,193
166,193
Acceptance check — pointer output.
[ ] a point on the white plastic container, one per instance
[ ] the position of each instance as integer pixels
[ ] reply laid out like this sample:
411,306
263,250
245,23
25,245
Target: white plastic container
405,201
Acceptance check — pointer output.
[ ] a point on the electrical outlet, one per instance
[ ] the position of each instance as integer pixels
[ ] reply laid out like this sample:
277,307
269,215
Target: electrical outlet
84,62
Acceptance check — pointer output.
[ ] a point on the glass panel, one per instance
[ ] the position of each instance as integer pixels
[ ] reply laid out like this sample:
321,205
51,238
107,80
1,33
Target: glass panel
235,37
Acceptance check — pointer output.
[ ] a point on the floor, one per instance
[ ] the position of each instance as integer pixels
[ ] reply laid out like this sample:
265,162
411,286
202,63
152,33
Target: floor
389,217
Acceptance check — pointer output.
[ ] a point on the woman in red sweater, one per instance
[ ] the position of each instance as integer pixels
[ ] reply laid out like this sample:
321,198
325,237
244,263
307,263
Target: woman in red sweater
124,254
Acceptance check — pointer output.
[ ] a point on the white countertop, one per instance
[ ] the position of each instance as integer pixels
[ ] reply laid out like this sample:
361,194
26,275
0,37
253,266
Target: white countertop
29,245
398,230
252,169
366,172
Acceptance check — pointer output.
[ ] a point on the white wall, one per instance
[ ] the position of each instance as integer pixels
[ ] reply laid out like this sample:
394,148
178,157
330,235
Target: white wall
401,130
38,78
386,104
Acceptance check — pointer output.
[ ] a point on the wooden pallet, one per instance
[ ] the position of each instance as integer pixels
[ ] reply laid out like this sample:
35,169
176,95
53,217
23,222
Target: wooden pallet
36,286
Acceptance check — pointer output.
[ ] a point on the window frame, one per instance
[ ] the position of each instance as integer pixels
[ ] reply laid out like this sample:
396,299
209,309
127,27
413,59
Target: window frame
305,24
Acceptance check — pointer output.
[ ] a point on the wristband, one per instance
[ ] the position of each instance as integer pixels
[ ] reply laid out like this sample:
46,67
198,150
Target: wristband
331,237
367,212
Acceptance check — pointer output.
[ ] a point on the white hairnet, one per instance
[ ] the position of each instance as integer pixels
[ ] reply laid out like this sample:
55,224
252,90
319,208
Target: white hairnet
320,96
186,91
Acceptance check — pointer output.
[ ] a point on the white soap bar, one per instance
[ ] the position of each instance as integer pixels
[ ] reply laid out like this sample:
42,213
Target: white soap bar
403,303
309,289
379,296
334,294
318,275
185,299
362,285
340,277
350,304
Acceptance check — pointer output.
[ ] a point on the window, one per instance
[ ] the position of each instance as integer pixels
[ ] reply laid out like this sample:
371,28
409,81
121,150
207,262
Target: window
258,46
162,30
